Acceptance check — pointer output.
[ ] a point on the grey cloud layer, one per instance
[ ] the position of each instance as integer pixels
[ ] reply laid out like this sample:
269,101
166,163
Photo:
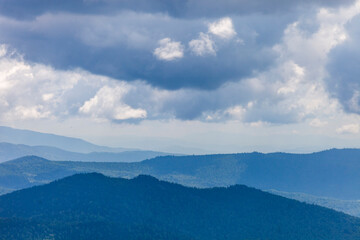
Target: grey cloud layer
344,69
177,8
265,68
122,46
118,38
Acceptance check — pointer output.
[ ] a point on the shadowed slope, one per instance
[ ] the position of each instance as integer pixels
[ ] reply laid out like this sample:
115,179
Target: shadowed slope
92,206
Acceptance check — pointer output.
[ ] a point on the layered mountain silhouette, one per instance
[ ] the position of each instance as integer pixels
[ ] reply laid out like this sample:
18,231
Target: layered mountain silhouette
331,173
32,138
351,207
92,206
10,151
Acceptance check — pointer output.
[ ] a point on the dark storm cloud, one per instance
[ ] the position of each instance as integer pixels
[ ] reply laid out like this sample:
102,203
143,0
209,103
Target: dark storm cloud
177,8
122,47
118,38
32,8
344,69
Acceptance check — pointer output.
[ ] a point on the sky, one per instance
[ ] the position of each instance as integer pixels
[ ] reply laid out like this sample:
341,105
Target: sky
185,76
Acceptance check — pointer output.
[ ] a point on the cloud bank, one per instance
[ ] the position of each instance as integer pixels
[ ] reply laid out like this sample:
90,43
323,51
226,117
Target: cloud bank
169,62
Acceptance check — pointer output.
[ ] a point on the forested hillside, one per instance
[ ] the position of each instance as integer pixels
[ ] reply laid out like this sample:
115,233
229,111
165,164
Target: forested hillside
92,206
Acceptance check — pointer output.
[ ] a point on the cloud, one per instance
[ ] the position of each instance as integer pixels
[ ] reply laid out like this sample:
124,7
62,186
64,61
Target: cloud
292,90
222,28
251,82
273,69
121,46
317,123
30,112
176,8
295,88
169,50
36,91
202,45
3,50
342,80
107,104
349,129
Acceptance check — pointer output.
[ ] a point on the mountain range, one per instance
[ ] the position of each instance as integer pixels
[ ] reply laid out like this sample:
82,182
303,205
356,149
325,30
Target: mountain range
329,173
9,151
92,206
351,207
325,178
32,138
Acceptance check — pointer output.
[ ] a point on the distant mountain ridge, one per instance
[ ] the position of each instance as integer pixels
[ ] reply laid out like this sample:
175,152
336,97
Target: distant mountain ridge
330,173
351,207
92,206
10,151
32,138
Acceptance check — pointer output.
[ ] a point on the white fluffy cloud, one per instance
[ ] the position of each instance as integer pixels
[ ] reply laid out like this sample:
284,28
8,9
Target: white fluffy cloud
296,84
36,91
169,50
294,89
318,123
222,28
203,45
348,129
108,104
3,50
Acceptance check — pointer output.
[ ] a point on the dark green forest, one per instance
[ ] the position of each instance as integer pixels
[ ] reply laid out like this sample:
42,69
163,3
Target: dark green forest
92,206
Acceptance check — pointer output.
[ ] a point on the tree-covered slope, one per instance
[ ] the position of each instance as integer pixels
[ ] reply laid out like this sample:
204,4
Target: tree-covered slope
92,206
